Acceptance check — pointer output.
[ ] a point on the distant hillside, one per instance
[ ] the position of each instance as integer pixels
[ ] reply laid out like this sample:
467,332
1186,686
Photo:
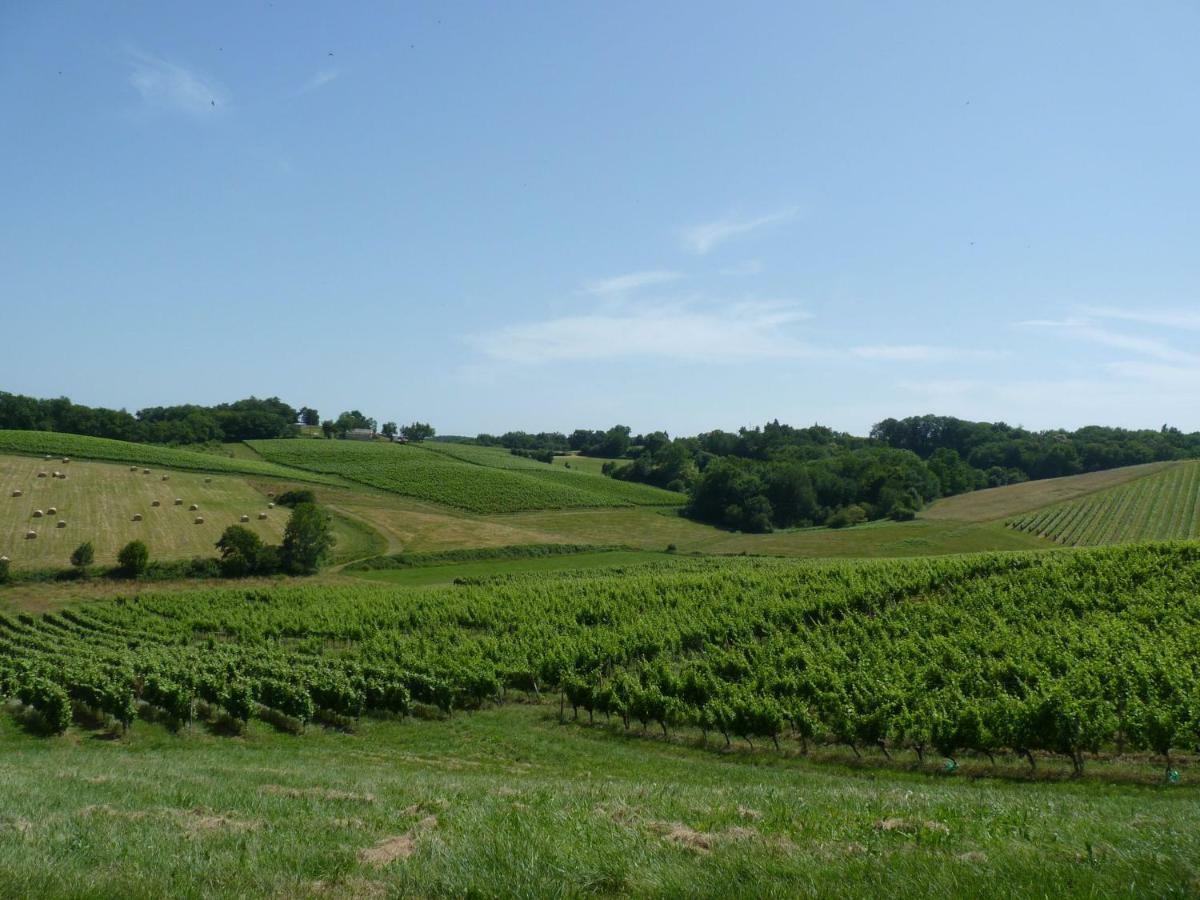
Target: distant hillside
1163,505
78,446
471,478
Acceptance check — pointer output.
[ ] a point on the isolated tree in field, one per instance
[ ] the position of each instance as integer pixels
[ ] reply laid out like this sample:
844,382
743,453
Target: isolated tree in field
240,548
389,430
134,558
328,427
83,556
309,416
307,539
418,431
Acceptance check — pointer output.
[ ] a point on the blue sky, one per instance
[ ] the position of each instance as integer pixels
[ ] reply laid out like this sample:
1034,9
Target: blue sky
675,215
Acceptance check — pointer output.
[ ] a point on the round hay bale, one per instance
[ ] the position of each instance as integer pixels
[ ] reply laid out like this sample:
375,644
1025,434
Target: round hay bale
208,481
66,459
262,516
145,471
179,501
194,507
4,559
41,474
270,506
46,457
270,493
30,535
156,503
133,468
137,517
244,519
62,523
166,478
52,510
199,520
37,513
16,493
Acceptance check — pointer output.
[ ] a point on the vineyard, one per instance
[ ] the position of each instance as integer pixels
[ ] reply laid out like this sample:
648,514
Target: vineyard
440,477
79,447
1161,506
1030,654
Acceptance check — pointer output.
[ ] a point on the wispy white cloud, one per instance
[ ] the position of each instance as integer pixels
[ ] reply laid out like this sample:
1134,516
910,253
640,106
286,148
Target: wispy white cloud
319,80
619,284
749,267
676,331
921,353
1086,330
703,237
167,85
1167,318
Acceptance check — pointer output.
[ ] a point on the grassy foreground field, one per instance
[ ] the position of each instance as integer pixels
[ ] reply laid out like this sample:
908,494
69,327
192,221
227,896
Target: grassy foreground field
509,803
1163,505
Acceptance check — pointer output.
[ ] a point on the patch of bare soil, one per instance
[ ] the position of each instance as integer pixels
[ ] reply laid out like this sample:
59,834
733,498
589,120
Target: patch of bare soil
910,826
391,849
278,790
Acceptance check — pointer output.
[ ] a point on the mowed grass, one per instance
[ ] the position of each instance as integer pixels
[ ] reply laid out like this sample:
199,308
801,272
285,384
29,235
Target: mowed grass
99,500
409,525
77,446
448,478
507,802
592,465
1163,505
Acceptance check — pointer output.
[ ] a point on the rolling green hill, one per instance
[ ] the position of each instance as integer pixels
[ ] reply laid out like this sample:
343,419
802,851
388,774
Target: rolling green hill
495,483
1162,505
77,446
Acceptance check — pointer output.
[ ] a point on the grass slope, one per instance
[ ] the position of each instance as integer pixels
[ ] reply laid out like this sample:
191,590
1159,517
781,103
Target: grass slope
588,478
1163,505
80,447
98,502
508,803
440,477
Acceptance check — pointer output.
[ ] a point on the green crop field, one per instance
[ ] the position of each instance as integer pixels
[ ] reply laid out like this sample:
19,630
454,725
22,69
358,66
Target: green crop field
1163,505
586,478
76,446
870,729
439,477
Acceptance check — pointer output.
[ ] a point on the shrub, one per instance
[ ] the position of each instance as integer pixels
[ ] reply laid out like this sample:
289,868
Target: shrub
239,551
294,498
133,558
84,555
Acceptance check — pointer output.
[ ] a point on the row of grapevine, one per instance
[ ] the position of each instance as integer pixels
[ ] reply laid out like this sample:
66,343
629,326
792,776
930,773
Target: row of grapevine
1161,506
1072,653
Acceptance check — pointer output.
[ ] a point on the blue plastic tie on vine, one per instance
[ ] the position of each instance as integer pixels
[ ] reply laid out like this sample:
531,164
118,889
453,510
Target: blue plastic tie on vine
1173,776
950,766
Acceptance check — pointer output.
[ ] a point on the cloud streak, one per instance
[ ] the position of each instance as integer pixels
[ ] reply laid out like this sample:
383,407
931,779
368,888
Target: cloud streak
1086,330
921,353
702,238
678,332
169,86
318,81
620,284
